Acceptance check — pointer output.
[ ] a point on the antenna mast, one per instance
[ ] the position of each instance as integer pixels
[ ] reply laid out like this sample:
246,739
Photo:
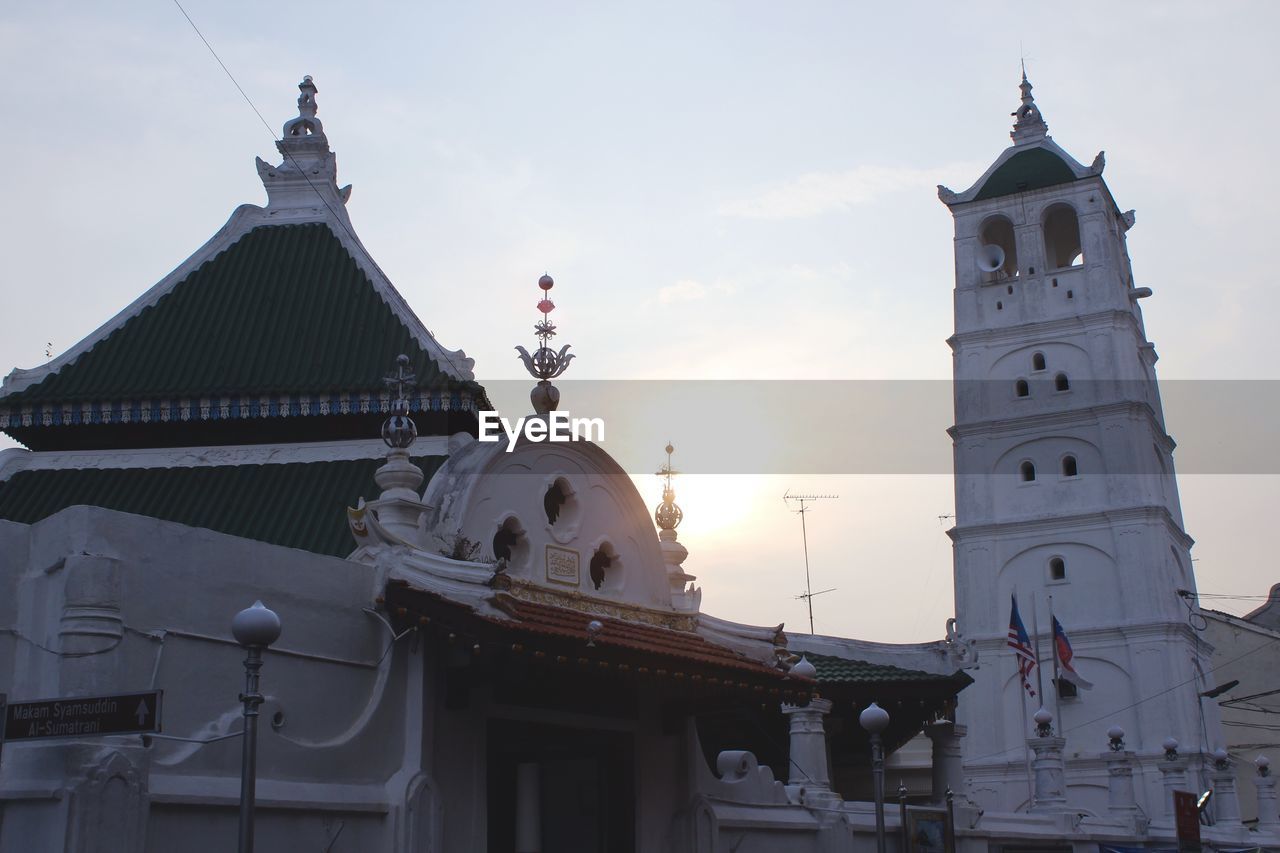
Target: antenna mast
804,532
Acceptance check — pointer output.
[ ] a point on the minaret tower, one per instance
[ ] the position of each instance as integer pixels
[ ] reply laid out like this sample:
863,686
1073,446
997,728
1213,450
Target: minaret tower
1064,479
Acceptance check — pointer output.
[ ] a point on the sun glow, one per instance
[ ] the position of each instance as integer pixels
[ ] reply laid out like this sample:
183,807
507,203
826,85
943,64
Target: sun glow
716,506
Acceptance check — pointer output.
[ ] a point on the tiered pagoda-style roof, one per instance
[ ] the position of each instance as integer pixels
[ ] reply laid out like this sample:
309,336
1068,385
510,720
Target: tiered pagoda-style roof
278,331
1034,161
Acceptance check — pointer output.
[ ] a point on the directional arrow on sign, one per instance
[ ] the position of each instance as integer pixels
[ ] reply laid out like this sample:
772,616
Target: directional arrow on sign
83,716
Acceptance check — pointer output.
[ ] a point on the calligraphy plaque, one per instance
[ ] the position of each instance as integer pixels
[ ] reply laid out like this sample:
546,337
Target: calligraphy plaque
563,565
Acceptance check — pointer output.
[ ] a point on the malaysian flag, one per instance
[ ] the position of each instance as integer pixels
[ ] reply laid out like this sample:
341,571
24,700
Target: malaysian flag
1062,648
1021,645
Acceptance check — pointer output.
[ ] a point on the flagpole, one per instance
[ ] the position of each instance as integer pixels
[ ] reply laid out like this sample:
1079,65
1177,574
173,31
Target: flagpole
1026,749
1035,629
1057,677
1026,746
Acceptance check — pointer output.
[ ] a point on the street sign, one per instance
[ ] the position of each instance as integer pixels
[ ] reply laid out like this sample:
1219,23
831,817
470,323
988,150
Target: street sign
83,716
1187,819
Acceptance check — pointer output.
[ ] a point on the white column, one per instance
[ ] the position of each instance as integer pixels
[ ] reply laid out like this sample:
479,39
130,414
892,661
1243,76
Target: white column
1268,819
1050,774
809,745
528,809
1120,796
948,767
1226,803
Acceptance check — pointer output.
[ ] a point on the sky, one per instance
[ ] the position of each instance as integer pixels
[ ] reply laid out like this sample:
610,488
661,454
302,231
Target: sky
722,190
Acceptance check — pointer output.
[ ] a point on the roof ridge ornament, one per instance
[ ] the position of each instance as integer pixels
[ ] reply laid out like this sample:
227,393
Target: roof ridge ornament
545,364
306,124
1029,124
306,183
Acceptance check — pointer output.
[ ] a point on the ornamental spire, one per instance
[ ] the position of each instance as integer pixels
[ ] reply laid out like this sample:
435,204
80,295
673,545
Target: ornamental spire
306,124
668,515
394,517
684,595
545,363
1028,125
399,430
306,182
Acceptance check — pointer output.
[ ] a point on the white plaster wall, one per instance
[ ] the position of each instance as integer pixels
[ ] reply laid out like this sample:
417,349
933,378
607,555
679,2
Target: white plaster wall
1250,654
1035,297
331,766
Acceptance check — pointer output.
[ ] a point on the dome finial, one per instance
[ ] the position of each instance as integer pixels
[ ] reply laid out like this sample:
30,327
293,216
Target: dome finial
545,364
668,515
1028,125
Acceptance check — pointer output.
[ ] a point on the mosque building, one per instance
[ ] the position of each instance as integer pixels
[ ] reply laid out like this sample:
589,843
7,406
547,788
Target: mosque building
496,646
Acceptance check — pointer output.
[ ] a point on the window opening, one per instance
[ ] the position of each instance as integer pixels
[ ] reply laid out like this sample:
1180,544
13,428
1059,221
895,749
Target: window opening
600,561
998,231
1028,472
506,540
1062,237
554,500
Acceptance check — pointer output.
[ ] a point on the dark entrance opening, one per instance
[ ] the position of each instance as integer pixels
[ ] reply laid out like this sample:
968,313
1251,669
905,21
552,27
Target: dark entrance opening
585,786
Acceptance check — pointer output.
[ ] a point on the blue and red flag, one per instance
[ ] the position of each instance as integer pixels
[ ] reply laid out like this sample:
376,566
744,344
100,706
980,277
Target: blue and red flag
1062,648
1020,642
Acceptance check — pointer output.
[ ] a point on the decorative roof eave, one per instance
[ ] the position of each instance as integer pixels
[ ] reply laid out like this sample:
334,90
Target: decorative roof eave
615,641
227,408
481,587
13,460
1046,143
936,658
293,198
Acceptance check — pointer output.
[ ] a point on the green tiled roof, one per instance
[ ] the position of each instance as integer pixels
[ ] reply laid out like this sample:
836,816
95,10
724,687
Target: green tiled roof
298,505
284,310
836,670
1033,169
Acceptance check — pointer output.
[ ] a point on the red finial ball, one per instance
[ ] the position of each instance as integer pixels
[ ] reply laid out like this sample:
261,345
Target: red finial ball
546,306
546,282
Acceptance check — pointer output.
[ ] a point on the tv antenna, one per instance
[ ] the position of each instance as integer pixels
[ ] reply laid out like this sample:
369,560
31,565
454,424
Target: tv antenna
804,532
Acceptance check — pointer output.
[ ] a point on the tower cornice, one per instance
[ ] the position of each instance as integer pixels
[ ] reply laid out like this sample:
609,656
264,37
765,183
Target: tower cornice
1081,521
1036,331
1081,416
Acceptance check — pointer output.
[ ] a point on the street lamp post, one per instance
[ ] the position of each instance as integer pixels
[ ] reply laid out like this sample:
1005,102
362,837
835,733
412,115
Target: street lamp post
875,720
255,628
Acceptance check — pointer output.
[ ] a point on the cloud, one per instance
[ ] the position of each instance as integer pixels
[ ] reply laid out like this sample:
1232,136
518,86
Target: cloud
817,193
690,290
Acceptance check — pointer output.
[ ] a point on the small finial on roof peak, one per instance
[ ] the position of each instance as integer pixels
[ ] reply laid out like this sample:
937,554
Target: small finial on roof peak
307,100
1029,124
306,124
